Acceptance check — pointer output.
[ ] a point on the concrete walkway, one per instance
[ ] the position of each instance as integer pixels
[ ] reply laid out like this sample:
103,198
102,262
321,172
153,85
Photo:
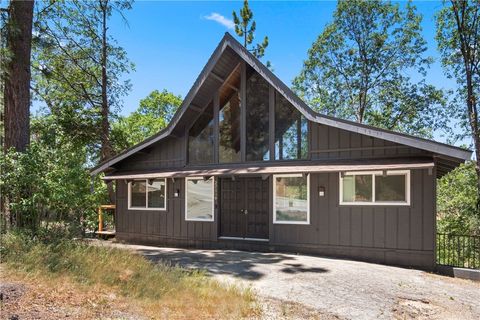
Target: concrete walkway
343,288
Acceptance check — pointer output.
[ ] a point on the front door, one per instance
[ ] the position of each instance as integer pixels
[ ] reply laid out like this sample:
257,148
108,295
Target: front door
244,208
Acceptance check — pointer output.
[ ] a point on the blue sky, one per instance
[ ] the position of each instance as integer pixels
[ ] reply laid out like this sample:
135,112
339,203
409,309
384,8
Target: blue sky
170,42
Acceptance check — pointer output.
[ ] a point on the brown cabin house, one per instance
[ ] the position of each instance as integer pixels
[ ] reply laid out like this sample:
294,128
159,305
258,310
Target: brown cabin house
246,164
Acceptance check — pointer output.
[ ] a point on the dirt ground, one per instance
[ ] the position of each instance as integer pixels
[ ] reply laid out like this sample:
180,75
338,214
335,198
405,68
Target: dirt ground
333,288
23,298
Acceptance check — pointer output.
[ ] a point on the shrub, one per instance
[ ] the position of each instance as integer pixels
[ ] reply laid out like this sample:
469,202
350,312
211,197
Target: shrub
456,201
47,185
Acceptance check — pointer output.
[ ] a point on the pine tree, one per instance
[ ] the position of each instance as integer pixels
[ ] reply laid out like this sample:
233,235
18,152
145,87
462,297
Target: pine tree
246,27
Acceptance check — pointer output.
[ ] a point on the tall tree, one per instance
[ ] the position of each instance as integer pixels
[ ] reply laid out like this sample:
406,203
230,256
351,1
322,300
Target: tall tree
153,114
458,37
77,69
359,66
245,28
16,73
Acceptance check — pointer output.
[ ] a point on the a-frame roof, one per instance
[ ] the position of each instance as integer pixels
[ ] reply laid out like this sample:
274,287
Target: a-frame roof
222,61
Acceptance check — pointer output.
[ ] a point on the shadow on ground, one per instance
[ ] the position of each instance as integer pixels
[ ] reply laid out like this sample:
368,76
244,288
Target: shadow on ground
244,265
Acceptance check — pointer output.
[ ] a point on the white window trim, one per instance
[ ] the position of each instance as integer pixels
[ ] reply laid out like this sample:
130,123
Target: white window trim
275,176
146,208
373,202
213,199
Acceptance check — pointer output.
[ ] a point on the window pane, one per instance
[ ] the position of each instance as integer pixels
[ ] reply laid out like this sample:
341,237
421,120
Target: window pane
291,202
291,131
390,188
156,194
229,119
200,138
357,188
257,118
199,199
138,194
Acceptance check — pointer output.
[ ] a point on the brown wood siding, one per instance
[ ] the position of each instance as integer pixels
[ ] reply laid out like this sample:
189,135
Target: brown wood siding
388,227
164,224
168,153
401,235
388,234
332,143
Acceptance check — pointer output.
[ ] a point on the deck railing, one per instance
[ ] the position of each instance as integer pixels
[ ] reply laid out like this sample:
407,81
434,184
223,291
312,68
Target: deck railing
458,250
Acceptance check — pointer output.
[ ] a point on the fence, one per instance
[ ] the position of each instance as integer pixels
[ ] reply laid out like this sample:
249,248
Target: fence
458,250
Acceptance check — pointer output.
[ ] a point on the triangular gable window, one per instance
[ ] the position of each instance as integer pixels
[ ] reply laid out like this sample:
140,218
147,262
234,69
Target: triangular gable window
201,138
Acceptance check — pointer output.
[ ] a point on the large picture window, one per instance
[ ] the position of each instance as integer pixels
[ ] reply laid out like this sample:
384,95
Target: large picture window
229,119
199,199
375,188
257,118
200,138
291,131
291,204
147,194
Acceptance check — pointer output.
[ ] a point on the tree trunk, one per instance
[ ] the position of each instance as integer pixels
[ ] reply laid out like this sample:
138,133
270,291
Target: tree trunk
106,148
17,75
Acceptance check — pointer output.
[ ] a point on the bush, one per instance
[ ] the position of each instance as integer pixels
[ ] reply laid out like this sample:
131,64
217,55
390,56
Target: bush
47,185
456,202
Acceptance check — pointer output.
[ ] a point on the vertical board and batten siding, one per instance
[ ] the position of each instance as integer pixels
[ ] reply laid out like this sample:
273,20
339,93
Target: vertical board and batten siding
402,235
153,226
168,153
329,143
393,234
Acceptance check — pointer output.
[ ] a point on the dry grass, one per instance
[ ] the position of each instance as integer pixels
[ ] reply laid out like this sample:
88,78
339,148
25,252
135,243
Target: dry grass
98,282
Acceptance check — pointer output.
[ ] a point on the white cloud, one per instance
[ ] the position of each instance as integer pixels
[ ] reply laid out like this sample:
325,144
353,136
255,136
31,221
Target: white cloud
220,19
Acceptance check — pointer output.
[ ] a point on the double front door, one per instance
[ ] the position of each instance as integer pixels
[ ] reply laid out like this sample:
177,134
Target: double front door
244,208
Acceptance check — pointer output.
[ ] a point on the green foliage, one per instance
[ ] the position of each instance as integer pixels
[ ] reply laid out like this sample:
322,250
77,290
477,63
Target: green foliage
49,183
245,27
358,69
153,114
67,67
456,201
458,40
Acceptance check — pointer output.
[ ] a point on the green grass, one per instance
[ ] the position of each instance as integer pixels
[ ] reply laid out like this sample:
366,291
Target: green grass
155,287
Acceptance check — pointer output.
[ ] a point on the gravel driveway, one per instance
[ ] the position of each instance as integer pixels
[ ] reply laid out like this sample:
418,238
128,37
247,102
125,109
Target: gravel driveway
334,287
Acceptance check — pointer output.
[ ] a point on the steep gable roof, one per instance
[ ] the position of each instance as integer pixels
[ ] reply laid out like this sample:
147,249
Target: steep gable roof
230,52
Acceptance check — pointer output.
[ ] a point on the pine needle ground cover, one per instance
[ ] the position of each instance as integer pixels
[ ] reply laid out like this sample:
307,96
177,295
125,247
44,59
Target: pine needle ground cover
85,281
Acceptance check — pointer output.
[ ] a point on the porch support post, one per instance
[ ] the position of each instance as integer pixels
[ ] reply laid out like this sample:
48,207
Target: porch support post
271,122
243,112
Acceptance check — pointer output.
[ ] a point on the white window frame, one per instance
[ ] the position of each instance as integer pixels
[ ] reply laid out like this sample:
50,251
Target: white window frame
294,175
186,199
406,173
146,208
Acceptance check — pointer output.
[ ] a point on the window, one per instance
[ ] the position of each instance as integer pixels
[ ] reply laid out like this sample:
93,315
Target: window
375,188
229,119
199,195
291,199
291,131
200,138
257,118
147,194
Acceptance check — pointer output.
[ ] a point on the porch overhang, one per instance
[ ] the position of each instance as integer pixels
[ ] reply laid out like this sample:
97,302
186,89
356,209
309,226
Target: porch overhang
266,170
